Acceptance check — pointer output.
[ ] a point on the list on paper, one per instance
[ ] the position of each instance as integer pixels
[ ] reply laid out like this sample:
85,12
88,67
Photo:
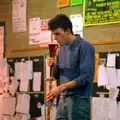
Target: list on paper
19,10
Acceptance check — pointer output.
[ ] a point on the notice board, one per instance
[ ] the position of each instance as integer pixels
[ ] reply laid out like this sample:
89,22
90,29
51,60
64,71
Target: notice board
100,12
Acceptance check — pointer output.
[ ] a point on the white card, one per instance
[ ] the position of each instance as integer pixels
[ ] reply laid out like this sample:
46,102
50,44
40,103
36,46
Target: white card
111,60
102,76
37,81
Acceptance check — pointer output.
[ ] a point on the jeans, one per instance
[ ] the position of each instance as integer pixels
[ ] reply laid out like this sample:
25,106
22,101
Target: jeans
73,107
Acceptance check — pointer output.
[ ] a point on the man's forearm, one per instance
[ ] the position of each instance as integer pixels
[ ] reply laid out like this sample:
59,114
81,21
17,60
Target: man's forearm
68,85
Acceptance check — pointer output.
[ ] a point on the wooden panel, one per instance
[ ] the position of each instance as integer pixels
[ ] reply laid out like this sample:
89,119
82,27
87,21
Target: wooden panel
41,48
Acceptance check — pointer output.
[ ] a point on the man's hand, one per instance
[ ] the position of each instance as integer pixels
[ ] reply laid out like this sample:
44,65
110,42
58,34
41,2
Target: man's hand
57,90
50,61
54,92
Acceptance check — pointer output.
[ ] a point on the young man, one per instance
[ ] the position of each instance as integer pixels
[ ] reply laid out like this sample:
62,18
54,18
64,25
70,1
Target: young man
74,67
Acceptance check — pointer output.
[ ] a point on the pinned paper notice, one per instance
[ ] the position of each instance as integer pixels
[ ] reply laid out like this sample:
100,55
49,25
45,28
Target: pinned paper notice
37,81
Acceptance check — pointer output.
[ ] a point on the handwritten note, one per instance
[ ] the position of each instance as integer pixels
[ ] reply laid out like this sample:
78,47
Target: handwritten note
34,26
77,23
19,15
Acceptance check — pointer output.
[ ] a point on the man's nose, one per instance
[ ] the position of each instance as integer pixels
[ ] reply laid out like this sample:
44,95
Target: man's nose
56,38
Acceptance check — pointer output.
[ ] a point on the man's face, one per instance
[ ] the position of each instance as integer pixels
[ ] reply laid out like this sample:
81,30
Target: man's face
61,36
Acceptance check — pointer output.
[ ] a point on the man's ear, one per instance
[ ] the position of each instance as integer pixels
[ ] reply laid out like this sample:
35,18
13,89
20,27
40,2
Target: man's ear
68,31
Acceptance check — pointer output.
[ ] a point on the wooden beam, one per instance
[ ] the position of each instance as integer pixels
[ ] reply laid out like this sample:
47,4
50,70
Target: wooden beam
105,42
29,49
45,47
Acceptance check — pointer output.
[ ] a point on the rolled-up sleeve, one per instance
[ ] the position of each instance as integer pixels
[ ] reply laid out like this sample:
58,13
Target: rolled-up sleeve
86,65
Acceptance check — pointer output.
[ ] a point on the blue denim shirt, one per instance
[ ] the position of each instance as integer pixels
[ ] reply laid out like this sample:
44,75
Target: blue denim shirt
76,62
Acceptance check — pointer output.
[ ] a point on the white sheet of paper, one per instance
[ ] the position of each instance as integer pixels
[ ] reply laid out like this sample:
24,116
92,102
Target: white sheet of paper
102,76
29,68
19,8
45,37
34,24
112,77
24,86
118,77
23,72
24,82
34,39
18,107
37,81
23,104
113,93
9,105
111,60
13,87
113,110
17,70
100,108
77,23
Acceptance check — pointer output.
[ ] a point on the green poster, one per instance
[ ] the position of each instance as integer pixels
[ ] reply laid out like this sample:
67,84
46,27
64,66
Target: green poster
76,2
100,12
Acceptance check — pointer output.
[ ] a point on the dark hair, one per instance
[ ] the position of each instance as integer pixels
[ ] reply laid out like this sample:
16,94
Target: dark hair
60,21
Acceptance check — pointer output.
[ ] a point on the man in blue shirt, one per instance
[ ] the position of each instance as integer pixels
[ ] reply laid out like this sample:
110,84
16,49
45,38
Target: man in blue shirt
74,67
